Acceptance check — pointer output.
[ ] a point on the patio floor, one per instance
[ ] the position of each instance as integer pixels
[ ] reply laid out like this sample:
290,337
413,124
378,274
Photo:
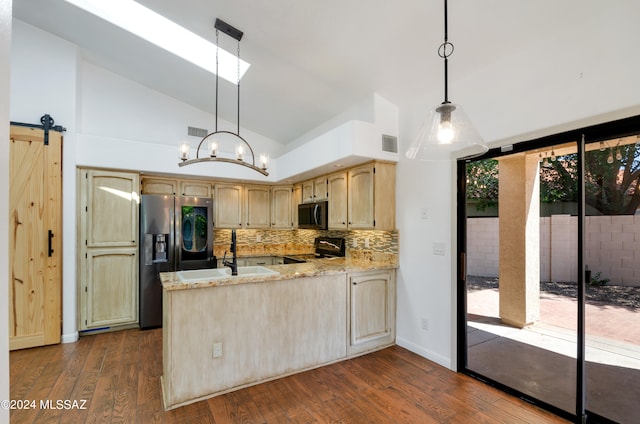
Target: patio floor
539,359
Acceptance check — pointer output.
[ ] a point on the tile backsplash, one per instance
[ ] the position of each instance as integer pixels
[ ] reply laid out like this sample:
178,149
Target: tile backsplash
280,242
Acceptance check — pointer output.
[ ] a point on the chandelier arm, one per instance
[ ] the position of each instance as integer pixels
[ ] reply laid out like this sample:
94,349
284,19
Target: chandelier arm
253,157
233,161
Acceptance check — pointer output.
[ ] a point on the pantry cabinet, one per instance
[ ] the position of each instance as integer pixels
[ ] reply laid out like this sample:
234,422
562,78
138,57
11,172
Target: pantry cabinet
107,248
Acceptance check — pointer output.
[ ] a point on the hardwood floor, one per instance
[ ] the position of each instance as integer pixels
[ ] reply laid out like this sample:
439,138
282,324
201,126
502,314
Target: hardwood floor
117,374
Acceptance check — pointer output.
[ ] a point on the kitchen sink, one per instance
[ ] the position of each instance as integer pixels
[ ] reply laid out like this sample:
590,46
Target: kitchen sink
221,273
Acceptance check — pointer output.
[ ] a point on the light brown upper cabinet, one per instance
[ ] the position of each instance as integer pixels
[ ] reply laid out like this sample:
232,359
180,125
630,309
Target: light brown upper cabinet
195,188
372,197
257,206
281,207
153,185
314,190
337,189
227,206
296,199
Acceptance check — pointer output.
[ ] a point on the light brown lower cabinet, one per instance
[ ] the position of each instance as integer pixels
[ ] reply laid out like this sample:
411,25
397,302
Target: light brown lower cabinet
372,310
217,339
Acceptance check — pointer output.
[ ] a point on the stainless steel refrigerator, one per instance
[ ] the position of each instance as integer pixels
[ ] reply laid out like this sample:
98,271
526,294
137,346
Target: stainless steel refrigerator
176,233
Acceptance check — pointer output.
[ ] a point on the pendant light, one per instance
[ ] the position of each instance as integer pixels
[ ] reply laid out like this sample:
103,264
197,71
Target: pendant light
243,150
447,128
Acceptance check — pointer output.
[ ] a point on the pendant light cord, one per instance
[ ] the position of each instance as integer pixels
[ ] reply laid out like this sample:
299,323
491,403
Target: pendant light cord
444,51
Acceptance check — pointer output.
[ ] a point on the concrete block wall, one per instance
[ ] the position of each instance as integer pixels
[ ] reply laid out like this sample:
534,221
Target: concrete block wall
482,246
612,247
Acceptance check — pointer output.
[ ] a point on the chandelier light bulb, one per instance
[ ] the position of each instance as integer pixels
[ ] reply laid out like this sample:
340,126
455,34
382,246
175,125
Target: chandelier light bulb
602,146
213,148
618,155
184,151
264,160
610,159
553,156
239,152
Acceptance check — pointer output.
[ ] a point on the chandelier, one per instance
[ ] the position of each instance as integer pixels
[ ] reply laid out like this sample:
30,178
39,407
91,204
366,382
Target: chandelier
244,155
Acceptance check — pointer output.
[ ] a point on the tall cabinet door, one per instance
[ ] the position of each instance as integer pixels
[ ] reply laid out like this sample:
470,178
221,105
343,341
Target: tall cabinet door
227,206
108,248
360,203
112,287
257,208
337,188
35,238
281,209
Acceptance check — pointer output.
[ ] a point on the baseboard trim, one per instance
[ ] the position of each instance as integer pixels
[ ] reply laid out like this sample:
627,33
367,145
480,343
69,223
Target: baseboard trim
425,353
70,338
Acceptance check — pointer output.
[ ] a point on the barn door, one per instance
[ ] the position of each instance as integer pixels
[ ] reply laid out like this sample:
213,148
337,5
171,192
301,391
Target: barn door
35,223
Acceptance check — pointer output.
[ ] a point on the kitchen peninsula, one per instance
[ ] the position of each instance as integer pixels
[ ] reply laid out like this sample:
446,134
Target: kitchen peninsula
221,334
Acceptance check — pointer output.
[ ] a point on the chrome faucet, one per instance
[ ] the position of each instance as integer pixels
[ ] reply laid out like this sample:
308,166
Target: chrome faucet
234,250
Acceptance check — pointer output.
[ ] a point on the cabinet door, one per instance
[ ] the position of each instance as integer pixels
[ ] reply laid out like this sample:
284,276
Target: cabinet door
296,199
195,189
320,189
112,209
257,207
111,287
307,191
228,206
372,304
159,186
281,209
360,200
337,187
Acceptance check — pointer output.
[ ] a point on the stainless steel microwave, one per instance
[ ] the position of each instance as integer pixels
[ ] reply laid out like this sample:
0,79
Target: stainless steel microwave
313,215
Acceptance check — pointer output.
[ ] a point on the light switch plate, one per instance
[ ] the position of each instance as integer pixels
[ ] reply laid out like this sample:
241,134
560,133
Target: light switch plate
438,248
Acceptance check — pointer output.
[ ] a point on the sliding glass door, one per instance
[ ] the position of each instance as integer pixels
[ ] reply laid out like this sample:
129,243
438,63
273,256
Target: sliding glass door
549,239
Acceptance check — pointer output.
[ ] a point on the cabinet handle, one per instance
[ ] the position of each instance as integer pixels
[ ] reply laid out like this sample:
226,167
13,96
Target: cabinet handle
50,250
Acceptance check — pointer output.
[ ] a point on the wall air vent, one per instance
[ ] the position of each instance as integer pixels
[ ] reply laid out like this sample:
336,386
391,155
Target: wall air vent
197,132
389,143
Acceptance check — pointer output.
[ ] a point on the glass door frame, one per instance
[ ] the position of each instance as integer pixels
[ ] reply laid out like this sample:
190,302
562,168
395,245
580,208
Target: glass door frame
582,137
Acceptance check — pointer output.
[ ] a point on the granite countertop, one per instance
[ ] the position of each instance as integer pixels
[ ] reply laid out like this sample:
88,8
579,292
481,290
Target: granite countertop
311,268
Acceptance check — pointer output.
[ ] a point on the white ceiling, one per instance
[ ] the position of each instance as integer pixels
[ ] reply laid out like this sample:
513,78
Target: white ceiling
310,60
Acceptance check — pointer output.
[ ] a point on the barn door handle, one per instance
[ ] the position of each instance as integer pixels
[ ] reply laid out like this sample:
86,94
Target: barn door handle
50,243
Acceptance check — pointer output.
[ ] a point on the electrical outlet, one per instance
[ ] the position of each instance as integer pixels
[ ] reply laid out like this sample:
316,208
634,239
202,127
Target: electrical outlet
438,248
354,243
217,350
424,324
366,242
258,238
424,213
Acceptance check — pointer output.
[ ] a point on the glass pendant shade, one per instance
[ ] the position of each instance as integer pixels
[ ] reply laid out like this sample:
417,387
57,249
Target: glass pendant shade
445,130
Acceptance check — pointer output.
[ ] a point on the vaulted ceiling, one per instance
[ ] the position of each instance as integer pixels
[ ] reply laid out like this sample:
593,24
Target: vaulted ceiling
310,60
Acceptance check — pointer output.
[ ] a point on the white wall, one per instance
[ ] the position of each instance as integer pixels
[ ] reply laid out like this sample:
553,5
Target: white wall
5,48
578,72
126,125
44,72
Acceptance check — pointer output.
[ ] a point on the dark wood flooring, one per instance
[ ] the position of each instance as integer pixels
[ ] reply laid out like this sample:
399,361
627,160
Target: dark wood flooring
117,374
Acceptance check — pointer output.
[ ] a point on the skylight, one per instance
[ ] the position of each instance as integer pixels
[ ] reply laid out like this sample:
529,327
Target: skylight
164,33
